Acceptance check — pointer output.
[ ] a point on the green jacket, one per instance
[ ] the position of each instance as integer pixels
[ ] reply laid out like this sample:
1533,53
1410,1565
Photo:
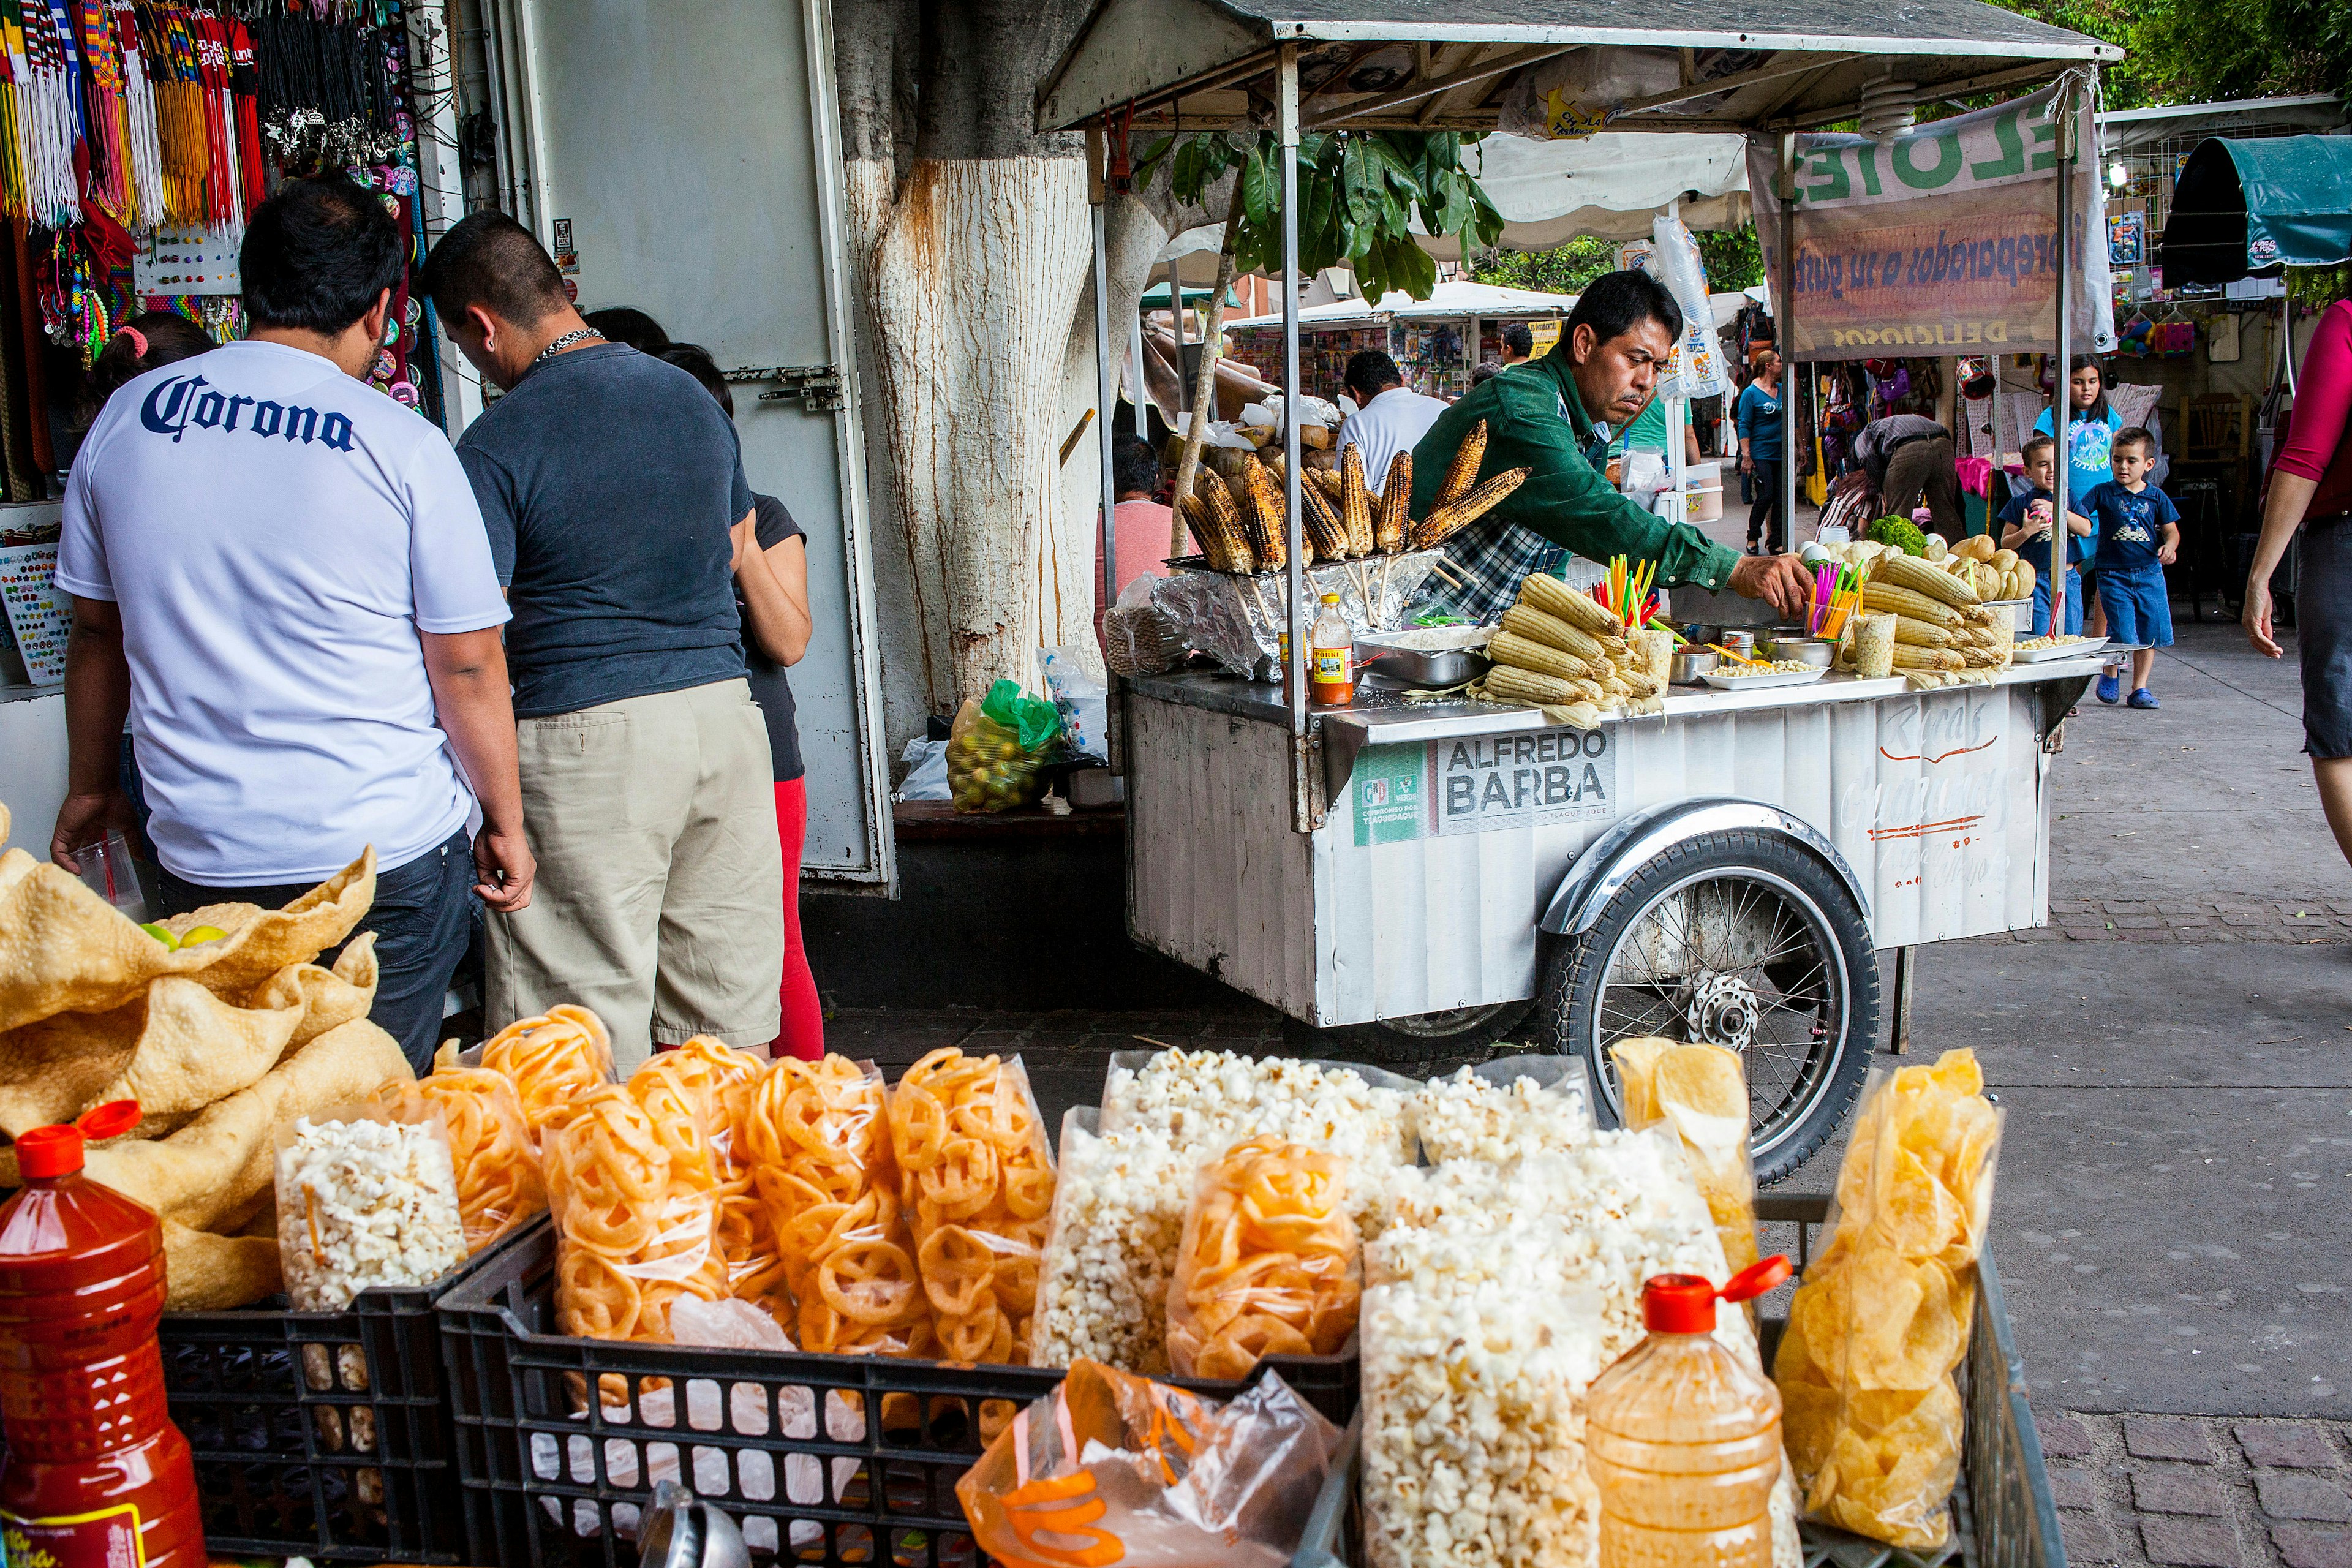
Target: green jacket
1535,420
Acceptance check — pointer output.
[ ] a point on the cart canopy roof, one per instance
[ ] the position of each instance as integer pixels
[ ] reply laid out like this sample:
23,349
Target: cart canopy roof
2242,206
1780,64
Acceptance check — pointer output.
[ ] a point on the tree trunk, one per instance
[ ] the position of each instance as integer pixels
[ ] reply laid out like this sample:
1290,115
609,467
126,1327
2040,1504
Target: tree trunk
972,248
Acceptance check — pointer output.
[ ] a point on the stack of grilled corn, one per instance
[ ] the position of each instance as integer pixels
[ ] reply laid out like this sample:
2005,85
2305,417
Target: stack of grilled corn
1238,521
1562,651
1944,634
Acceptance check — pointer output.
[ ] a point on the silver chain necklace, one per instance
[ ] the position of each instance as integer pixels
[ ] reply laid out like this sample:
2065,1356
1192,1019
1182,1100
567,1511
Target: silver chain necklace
565,342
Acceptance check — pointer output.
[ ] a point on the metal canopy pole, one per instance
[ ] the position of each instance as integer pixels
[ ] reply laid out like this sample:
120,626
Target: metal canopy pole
1106,396
1296,676
1784,336
1135,355
2061,406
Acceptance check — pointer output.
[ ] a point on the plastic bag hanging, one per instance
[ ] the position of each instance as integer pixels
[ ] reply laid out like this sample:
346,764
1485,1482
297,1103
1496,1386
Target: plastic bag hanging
1676,263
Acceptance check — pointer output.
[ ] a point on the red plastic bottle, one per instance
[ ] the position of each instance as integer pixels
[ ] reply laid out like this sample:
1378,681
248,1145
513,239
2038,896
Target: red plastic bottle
96,1475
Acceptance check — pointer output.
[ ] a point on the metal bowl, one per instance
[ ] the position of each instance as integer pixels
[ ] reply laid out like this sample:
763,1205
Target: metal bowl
1692,664
1815,651
1422,667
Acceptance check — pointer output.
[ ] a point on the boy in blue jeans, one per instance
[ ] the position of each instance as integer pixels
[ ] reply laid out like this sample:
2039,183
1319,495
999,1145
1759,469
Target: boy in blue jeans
2025,526
2140,535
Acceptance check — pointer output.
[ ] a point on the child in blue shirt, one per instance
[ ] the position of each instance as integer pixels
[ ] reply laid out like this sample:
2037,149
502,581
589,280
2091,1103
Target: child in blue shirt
2025,528
2139,536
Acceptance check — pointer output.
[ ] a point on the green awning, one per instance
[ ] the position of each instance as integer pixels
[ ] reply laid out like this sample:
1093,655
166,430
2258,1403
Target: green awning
1157,295
2241,206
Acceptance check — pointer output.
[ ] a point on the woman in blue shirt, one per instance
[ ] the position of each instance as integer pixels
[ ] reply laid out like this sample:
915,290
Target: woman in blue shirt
1759,448
2091,428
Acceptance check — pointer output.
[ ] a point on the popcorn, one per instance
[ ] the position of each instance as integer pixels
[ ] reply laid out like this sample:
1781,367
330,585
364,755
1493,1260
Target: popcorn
364,1203
1119,1215
1466,1117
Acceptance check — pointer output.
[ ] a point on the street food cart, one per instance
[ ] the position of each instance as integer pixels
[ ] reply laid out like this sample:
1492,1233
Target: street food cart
1448,874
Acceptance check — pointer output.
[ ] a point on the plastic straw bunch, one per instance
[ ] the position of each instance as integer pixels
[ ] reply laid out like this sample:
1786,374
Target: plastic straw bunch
1627,593
1837,591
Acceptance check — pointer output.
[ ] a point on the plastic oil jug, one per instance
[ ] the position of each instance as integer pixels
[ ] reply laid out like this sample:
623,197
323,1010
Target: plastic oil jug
96,1475
1332,655
1684,1441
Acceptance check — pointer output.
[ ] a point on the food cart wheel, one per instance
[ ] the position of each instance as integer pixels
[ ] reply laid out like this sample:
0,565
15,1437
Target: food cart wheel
1741,939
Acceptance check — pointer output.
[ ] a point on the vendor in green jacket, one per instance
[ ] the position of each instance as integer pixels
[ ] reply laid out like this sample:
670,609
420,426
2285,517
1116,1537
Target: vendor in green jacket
1541,415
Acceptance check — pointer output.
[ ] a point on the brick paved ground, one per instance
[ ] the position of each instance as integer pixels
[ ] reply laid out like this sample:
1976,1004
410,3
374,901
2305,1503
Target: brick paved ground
2317,919
2201,1492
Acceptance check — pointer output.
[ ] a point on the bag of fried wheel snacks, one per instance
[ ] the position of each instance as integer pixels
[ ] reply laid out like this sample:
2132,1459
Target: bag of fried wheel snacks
996,746
1869,1409
498,1181
1701,1094
818,1138
714,1081
1269,1265
978,1182
1112,1467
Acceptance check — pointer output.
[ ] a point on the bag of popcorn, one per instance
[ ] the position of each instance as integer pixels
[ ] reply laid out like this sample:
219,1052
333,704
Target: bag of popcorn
367,1195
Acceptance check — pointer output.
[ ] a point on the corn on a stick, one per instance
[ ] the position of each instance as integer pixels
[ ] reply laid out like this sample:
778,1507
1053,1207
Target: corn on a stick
1392,527
1453,516
1462,471
1355,505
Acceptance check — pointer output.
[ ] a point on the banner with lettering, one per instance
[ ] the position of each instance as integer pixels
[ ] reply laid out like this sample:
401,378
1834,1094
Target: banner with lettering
1943,240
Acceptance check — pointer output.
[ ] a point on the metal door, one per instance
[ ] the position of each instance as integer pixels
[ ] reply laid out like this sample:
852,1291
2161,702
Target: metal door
685,160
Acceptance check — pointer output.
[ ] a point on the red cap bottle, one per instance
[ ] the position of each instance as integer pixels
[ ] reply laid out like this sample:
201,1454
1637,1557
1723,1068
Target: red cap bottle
96,1476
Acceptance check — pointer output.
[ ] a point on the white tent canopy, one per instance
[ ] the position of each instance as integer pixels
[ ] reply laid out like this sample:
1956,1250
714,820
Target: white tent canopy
1607,186
1459,300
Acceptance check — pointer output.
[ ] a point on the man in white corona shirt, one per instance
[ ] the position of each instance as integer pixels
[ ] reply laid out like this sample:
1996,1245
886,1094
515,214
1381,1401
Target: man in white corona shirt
282,576
1390,416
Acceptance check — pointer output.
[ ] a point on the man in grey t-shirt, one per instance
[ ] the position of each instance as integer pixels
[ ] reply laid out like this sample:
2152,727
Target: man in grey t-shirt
614,497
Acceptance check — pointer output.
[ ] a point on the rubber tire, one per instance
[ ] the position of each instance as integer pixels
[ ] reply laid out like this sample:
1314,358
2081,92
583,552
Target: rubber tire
1571,969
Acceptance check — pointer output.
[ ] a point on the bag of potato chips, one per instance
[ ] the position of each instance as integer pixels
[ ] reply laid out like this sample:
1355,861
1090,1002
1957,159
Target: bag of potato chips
1701,1093
1869,1410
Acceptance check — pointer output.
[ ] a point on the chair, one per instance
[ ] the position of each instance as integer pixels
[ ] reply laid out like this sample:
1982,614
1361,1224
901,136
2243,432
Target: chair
2217,428
2204,556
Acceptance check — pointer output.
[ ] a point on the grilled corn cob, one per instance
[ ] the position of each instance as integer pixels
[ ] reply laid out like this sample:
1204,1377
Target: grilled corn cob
1323,525
1554,597
1464,470
1529,622
1449,517
1266,531
1392,527
1877,595
1355,506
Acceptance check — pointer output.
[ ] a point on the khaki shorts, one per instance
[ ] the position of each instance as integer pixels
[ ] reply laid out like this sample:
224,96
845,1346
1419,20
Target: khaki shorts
660,892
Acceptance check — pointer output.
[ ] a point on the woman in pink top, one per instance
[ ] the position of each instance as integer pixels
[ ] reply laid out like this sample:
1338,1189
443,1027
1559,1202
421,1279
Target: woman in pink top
2311,488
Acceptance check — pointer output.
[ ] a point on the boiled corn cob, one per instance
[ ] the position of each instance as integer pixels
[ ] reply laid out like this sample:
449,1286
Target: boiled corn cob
1920,634
1554,633
1897,570
1464,470
1507,683
1392,525
1877,595
1451,517
1909,657
1527,652
1554,597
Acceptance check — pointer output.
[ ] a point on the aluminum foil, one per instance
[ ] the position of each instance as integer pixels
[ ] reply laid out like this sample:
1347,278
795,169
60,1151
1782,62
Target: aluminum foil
1239,621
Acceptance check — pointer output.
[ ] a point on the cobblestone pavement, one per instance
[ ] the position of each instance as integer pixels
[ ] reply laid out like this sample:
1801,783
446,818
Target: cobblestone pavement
2201,1492
2317,919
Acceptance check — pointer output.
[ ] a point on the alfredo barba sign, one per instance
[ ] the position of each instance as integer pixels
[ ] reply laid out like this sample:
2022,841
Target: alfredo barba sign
1943,240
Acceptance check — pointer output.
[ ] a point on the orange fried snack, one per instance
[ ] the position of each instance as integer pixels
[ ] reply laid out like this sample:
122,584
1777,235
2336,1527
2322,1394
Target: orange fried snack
553,1060
716,1080
1269,1265
1869,1408
975,1172
634,1185
498,1183
820,1169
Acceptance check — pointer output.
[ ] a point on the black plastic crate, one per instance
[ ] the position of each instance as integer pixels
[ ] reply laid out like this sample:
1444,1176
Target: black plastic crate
322,1435
782,1441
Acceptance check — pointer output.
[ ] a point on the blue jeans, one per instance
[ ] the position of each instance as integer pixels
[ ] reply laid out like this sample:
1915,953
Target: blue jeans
422,917
2073,604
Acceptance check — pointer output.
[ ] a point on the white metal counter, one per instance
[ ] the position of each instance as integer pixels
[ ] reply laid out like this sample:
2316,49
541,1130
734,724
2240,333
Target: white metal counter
1443,828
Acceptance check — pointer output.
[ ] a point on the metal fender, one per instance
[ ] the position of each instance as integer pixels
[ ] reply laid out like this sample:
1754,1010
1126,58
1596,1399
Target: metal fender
1612,859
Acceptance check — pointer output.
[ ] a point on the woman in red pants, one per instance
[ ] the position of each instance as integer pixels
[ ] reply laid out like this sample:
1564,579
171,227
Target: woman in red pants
772,596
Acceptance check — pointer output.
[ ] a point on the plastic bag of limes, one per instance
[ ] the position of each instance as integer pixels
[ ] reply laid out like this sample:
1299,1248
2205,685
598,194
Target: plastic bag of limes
997,746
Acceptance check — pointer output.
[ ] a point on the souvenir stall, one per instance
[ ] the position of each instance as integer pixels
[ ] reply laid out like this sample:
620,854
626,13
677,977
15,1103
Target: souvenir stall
1436,341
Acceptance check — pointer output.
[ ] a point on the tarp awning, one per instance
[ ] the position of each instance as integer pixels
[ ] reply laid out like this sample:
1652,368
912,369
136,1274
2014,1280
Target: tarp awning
1770,63
1460,299
2241,206
1608,186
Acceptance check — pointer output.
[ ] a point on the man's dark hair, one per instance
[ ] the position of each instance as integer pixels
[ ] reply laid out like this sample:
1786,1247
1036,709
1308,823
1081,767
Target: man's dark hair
696,360
318,255
1518,340
624,324
1369,372
1485,371
490,260
1616,302
1133,466
2136,435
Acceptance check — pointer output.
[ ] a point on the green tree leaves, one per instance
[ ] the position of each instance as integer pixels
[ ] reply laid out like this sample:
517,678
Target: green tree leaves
1359,196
